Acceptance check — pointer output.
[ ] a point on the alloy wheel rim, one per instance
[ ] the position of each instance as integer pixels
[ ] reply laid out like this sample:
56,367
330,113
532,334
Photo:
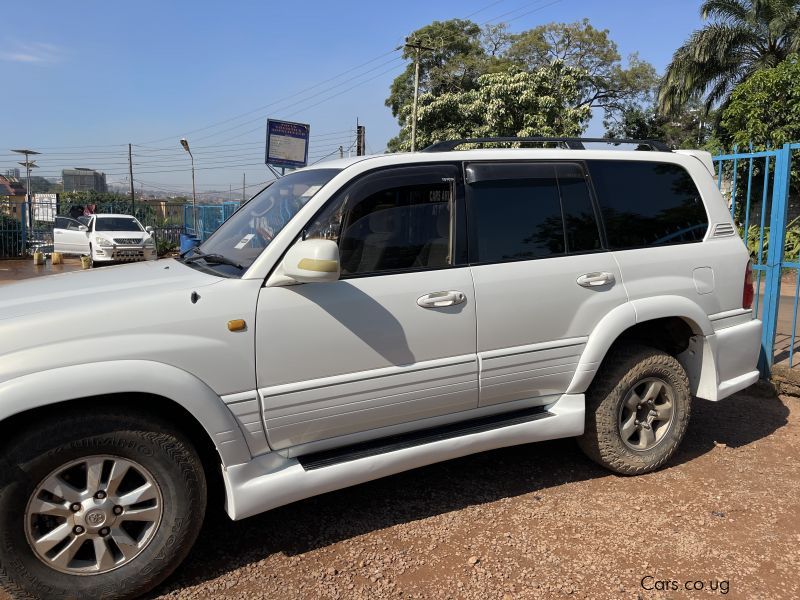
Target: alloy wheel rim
646,414
93,515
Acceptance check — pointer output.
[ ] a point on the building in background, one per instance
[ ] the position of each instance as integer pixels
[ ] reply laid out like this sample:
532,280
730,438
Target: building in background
12,197
12,173
83,180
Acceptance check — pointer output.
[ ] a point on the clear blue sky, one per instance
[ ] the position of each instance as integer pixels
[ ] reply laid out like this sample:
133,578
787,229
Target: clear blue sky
102,74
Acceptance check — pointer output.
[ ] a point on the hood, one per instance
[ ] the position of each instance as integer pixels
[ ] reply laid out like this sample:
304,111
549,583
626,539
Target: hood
76,293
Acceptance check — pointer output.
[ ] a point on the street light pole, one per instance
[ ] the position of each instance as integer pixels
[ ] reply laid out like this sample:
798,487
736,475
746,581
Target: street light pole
28,164
185,144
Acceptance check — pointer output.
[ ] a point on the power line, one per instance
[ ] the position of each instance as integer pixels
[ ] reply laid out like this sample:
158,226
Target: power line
294,104
291,96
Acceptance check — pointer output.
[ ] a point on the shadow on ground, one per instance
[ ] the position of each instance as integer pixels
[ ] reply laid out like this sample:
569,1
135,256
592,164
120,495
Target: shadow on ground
450,486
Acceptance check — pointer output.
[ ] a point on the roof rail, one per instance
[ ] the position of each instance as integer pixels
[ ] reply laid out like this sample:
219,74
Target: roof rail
571,143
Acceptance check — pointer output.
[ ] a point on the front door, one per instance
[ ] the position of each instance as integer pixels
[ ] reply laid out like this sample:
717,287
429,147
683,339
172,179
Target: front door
68,237
543,279
393,341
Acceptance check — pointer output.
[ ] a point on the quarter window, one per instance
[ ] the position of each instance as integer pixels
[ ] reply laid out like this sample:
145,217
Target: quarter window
648,203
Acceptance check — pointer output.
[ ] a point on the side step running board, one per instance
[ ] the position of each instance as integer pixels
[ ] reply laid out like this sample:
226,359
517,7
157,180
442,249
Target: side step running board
270,480
328,458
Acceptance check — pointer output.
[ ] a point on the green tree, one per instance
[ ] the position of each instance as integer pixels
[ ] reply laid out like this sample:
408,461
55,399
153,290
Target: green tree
457,60
691,128
741,37
508,103
605,84
462,52
765,109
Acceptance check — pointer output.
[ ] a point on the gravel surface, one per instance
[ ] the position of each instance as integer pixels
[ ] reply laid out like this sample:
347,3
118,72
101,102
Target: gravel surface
537,521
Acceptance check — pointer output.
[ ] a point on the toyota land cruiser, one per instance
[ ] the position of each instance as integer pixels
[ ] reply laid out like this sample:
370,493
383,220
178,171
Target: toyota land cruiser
357,319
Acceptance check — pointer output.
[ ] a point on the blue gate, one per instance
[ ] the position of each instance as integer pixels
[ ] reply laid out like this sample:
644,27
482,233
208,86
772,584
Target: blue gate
756,186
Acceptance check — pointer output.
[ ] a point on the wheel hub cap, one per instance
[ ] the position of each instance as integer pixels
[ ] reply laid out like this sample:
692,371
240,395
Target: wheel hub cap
646,413
93,515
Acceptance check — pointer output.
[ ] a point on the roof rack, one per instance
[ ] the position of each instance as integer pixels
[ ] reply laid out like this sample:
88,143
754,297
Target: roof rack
571,143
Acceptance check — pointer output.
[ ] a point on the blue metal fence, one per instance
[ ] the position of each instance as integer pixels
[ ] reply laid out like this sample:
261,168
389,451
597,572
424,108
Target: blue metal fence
23,230
756,185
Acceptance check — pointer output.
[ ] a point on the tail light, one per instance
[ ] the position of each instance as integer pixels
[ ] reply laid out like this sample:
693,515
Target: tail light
748,292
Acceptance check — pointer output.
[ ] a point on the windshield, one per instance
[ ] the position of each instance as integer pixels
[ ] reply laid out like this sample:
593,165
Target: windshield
117,224
244,236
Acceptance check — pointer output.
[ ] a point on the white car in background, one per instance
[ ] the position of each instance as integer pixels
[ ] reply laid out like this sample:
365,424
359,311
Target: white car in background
106,238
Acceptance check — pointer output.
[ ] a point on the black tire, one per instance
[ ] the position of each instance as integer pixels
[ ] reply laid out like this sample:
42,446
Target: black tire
625,368
33,456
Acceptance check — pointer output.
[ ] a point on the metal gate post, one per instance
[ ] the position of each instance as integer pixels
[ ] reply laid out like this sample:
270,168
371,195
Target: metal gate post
777,239
23,251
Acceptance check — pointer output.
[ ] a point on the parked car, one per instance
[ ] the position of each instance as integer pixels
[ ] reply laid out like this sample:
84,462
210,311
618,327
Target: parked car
353,320
106,238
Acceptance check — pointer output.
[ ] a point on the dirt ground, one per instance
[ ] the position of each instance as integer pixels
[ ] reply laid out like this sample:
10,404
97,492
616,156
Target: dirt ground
537,521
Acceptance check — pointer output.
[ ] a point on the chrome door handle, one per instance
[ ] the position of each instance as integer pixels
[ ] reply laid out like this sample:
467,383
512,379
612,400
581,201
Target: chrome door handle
595,279
441,299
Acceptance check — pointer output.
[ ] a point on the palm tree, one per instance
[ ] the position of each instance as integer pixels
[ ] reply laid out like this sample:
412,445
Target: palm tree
742,37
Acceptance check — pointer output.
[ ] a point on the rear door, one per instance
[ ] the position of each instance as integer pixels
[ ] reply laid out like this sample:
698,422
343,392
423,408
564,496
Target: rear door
543,278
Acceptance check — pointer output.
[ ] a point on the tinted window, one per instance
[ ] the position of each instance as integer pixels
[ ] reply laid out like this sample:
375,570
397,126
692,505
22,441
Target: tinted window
60,223
648,204
116,224
517,219
392,228
583,234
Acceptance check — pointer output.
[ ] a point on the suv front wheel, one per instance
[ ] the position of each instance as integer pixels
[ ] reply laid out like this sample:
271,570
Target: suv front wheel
637,410
97,506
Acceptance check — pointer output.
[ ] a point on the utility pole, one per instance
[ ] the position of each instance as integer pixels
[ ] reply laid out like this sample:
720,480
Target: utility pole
360,139
341,151
130,172
244,185
418,47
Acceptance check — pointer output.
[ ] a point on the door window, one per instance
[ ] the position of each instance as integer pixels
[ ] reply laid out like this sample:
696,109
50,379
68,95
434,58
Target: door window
524,211
648,203
391,222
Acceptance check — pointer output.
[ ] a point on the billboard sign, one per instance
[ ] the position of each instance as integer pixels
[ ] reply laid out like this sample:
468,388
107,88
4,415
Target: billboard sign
45,207
287,144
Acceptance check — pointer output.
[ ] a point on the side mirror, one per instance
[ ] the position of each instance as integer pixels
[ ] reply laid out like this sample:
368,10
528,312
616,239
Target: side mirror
83,228
149,230
312,260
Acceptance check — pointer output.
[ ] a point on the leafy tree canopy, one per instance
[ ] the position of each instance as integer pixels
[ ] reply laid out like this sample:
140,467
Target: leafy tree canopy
765,109
463,53
740,38
606,84
691,128
508,103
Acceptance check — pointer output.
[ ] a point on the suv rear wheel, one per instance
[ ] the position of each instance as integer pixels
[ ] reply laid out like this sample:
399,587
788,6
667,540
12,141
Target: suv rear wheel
637,410
102,506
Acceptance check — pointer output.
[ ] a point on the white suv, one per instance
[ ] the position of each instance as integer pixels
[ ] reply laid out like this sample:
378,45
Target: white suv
105,238
356,319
